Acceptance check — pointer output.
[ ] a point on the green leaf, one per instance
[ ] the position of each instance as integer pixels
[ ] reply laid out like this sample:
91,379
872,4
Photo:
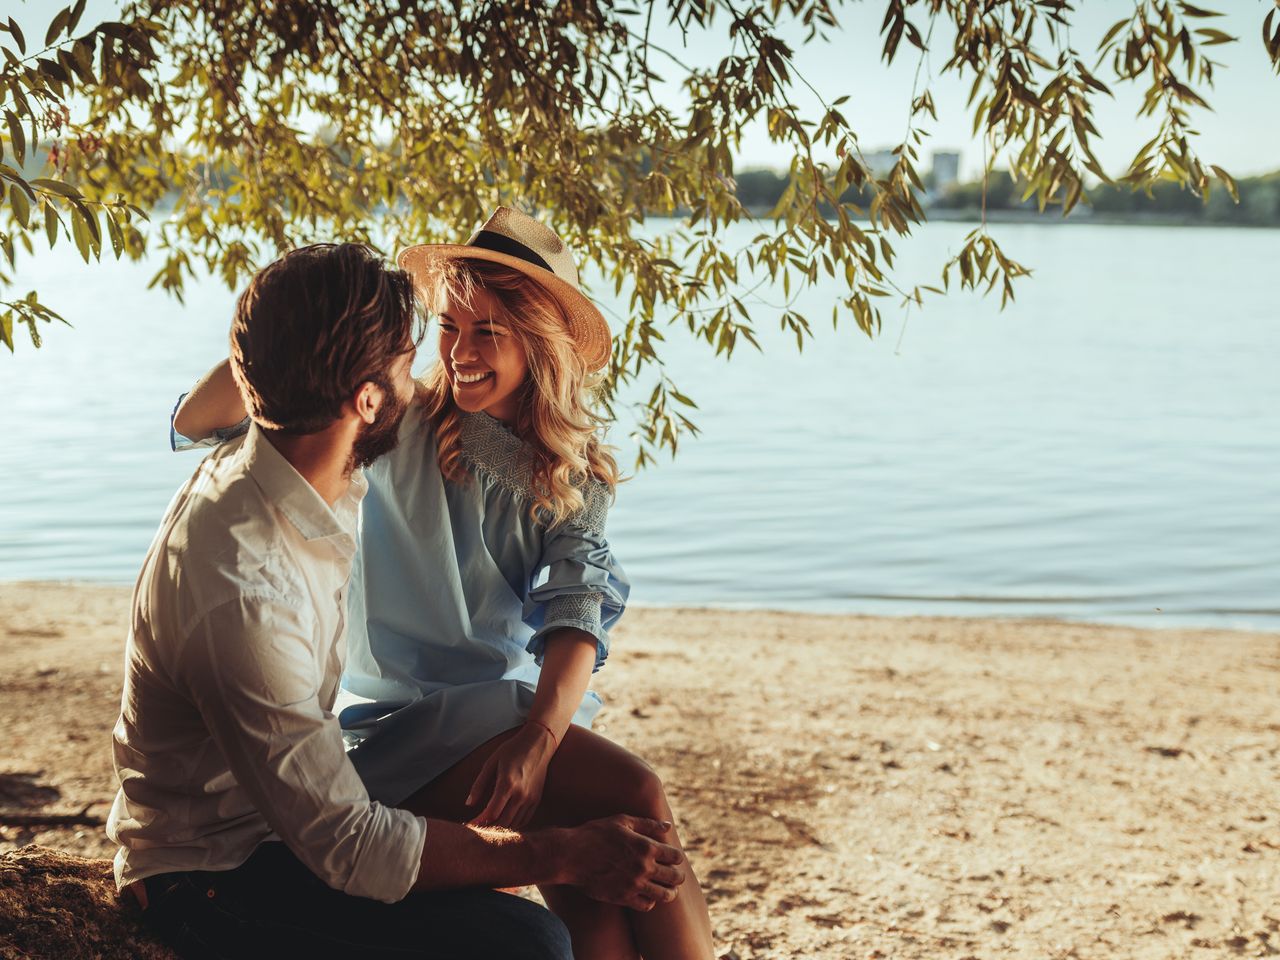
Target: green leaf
1111,34
17,36
6,329
80,60
14,177
76,12
16,136
114,28
33,330
1073,195
51,224
56,26
1228,180
53,69
80,231
1190,11
90,221
21,205
20,100
113,230
56,186
1214,37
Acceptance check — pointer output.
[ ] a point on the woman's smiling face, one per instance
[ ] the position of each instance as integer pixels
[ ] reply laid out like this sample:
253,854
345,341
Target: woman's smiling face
485,363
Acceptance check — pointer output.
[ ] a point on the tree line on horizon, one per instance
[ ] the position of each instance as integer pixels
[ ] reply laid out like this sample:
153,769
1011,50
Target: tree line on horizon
760,189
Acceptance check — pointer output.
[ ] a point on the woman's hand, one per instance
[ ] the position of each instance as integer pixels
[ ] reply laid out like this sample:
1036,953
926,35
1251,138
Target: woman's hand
510,783
509,787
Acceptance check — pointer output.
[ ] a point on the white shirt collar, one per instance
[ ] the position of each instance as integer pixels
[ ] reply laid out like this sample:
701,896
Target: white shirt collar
294,496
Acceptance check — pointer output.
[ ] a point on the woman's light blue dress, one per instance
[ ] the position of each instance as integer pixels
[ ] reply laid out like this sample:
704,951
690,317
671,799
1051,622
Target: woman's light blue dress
454,590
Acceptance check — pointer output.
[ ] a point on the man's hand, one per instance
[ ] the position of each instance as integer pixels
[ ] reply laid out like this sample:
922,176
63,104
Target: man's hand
622,860
511,781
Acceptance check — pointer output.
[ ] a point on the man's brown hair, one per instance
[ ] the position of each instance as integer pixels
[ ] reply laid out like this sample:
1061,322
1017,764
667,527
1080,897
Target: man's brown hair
313,326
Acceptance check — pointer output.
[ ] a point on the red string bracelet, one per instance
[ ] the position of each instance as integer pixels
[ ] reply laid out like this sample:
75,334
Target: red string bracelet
550,732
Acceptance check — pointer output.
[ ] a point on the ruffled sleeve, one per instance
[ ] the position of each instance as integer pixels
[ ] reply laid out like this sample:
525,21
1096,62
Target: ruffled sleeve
577,582
178,443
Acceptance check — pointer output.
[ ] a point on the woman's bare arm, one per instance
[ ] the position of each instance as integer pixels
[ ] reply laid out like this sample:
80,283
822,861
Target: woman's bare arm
213,403
509,786
569,656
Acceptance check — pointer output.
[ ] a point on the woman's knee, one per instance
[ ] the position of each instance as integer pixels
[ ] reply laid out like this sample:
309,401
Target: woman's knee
640,792
592,778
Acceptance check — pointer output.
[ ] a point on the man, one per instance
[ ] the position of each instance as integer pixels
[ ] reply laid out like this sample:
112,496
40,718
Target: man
244,830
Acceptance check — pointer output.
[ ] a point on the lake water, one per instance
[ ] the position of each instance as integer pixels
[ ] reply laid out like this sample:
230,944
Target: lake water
1107,448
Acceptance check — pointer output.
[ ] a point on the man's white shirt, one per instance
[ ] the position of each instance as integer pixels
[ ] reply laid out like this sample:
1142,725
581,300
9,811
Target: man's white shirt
227,736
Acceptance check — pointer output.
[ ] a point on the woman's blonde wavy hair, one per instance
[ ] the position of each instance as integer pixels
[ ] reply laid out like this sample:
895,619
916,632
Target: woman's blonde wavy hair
556,419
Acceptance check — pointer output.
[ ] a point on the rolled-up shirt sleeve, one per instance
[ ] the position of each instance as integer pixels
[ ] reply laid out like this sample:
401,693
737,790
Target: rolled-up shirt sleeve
578,583
252,671
178,442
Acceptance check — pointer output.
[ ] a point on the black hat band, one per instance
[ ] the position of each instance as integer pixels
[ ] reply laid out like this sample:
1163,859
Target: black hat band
499,243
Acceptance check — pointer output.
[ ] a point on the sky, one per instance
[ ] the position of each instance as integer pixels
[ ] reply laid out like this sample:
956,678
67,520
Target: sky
1241,133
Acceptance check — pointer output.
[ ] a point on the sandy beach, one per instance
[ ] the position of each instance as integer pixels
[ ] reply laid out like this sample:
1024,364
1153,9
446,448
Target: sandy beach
851,787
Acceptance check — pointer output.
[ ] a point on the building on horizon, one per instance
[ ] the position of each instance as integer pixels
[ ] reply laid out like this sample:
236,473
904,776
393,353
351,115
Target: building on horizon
880,162
946,169
944,172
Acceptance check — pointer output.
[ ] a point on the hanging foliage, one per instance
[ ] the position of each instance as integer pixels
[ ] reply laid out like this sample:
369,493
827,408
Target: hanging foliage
210,135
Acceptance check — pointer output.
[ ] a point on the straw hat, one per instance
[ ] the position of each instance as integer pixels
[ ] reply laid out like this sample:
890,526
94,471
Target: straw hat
518,241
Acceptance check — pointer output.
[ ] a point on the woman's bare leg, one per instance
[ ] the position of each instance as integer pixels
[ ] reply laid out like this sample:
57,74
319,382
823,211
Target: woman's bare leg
600,931
591,777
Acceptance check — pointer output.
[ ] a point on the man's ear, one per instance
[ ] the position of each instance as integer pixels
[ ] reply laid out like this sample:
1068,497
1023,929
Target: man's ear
368,401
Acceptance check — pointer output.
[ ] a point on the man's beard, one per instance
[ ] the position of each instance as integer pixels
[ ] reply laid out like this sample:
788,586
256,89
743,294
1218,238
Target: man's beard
379,437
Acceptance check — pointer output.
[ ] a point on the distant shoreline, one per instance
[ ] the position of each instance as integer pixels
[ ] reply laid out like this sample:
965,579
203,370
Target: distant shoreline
1048,218
935,214
1155,624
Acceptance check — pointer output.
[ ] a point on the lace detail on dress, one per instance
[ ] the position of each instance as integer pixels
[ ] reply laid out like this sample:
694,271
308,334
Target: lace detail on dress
490,448
595,508
581,607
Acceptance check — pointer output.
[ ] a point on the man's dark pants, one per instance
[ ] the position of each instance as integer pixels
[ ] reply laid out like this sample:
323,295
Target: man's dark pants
273,906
